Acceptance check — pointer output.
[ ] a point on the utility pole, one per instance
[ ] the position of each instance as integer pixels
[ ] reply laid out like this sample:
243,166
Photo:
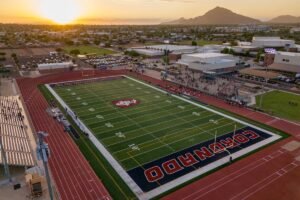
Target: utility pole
43,154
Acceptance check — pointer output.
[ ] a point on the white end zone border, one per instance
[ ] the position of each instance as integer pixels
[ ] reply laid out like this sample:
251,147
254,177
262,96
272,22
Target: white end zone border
124,175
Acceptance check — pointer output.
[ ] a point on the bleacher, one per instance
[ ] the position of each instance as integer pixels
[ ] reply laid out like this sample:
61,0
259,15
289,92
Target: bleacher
13,133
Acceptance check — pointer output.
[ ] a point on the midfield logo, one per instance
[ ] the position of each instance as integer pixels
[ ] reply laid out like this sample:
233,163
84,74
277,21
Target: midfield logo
126,103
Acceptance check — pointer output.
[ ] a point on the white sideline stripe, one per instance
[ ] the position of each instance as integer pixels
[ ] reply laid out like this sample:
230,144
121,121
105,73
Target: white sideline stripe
123,174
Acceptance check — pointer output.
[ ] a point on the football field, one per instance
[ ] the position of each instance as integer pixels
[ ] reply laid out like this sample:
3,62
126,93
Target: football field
158,126
140,127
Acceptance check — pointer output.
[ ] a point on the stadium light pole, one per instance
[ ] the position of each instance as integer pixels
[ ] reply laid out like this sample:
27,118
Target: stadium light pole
43,154
6,168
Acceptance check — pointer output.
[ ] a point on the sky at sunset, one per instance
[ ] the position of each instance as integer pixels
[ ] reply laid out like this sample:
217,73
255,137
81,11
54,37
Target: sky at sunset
134,11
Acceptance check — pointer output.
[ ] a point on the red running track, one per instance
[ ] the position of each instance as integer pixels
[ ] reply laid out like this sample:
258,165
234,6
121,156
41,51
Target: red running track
73,176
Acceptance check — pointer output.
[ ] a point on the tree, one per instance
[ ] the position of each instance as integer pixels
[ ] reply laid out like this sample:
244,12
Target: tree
13,55
107,44
166,60
225,50
132,53
247,54
258,55
97,42
233,43
194,43
231,51
69,42
75,52
58,50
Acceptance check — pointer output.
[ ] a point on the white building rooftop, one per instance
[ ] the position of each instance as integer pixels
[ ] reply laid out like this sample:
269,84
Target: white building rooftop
172,47
207,55
291,54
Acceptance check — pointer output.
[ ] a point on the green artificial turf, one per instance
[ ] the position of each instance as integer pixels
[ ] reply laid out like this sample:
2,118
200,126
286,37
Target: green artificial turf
160,125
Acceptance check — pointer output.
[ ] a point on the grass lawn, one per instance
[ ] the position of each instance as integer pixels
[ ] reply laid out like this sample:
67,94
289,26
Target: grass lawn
277,103
199,42
86,49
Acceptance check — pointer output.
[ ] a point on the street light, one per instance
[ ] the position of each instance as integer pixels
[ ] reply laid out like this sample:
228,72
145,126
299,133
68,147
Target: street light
43,153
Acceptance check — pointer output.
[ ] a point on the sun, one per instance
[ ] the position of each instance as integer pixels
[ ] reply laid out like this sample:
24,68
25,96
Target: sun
60,11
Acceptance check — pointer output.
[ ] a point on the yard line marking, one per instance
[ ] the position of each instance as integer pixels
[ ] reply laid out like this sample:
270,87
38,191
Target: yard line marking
161,156
174,141
153,125
128,118
138,136
109,125
99,117
173,133
196,114
121,92
120,135
134,113
152,119
79,109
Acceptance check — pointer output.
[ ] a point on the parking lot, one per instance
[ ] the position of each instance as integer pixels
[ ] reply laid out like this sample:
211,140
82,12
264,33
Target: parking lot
104,62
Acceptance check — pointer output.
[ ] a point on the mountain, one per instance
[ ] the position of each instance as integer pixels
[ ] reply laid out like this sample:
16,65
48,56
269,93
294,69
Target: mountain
217,15
285,19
